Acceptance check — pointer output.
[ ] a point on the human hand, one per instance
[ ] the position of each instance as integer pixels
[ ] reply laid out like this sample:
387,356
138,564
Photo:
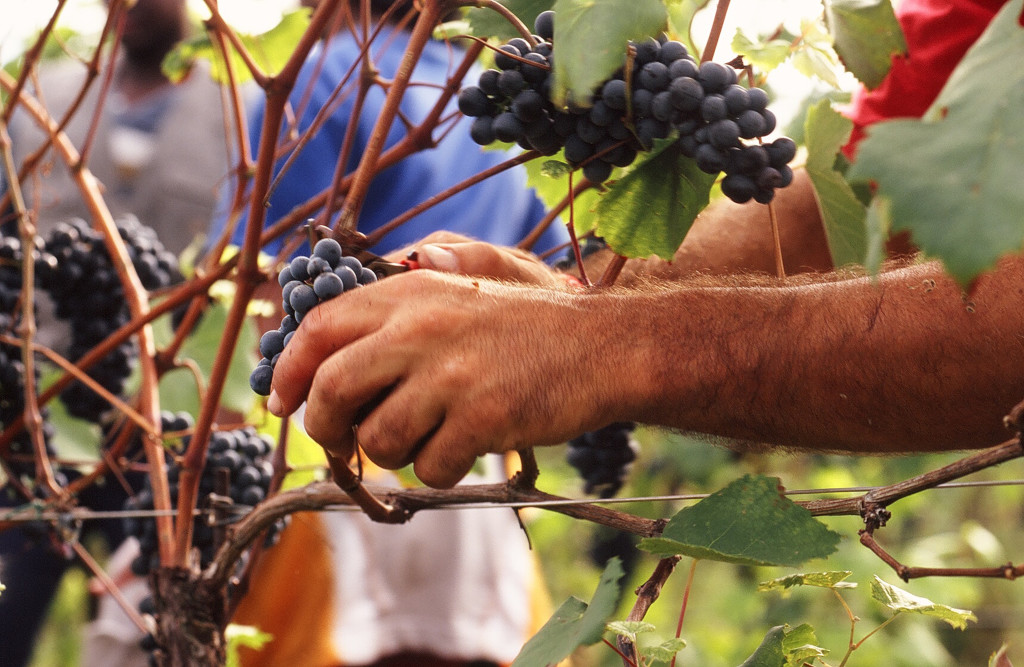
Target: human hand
438,369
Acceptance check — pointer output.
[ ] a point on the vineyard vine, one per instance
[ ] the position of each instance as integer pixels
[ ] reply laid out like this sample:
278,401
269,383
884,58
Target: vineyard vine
642,208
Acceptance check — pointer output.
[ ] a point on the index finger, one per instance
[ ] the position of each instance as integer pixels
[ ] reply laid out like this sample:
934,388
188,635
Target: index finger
327,328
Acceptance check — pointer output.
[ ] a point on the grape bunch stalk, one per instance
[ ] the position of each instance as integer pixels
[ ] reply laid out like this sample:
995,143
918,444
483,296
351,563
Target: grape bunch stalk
661,92
306,282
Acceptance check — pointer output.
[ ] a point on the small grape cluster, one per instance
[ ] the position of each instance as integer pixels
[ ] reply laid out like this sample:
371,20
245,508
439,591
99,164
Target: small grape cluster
666,92
12,367
243,452
306,282
87,293
604,457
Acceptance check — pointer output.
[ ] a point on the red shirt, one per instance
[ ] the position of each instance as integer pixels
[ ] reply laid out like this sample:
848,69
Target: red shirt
938,34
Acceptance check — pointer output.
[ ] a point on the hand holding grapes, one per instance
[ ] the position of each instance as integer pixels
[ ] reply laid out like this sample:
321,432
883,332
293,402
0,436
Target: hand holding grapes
437,370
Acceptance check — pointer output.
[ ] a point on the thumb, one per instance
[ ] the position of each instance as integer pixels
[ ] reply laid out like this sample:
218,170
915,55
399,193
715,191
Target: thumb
475,258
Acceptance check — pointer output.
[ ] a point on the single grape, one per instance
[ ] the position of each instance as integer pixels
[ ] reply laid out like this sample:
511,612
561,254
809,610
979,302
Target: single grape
528,105
260,380
327,286
738,187
488,82
597,171
303,299
687,94
482,130
507,127
544,24
474,102
654,76
672,51
715,77
272,343
298,268
613,93
503,57
724,133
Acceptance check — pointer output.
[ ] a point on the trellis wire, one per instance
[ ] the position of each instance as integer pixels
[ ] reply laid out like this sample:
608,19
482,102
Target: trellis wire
25,513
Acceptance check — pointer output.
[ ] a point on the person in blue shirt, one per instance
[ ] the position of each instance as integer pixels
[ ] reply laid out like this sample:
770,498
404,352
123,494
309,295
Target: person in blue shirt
501,209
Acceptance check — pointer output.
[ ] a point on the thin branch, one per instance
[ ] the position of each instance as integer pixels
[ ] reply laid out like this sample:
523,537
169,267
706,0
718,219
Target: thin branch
647,594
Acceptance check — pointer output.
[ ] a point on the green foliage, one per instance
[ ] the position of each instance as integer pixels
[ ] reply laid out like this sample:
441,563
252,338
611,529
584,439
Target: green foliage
270,51
592,37
866,36
631,630
651,208
749,522
783,645
769,653
834,579
550,178
764,54
826,131
799,646
814,56
952,177
178,391
574,624
485,22
243,635
900,600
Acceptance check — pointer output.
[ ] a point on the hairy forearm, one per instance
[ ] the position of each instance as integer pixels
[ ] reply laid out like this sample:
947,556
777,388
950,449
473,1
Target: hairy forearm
909,363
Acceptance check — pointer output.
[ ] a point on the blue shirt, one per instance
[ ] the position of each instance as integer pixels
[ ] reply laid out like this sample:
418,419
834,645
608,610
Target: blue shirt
501,209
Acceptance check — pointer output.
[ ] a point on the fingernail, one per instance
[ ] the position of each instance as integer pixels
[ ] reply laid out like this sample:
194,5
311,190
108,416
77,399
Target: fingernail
439,258
274,404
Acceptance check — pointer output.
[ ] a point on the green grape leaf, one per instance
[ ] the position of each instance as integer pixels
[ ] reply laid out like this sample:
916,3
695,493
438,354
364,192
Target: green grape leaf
866,36
630,629
769,653
650,209
574,624
178,390
832,579
763,55
813,56
592,38
484,22
900,600
269,50
825,132
663,652
799,645
748,522
952,177
550,179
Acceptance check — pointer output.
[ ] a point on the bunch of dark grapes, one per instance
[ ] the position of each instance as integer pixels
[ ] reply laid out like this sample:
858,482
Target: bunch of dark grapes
12,368
604,457
244,453
305,283
87,293
667,94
